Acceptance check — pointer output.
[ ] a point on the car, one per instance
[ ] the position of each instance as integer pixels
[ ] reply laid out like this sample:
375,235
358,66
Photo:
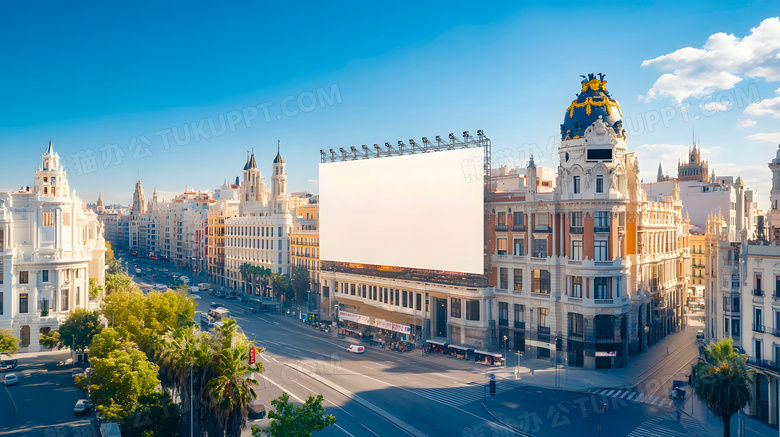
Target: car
678,390
195,296
356,349
700,334
82,406
11,379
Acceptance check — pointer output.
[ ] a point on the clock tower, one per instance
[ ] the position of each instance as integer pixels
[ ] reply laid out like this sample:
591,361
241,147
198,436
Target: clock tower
694,169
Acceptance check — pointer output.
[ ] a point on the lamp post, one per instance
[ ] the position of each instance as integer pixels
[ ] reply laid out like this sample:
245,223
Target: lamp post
599,414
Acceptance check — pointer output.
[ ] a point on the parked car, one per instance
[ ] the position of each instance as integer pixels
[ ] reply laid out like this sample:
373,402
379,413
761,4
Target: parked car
11,379
82,406
700,334
356,349
8,365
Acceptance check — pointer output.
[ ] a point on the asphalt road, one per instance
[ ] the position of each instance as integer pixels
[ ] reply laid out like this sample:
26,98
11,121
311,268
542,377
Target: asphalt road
42,403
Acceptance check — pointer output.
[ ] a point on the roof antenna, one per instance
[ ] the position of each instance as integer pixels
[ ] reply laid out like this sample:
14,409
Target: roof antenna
278,145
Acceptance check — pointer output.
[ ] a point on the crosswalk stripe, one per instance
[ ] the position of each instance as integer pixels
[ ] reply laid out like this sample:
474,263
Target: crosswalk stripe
633,395
641,398
624,394
601,392
610,392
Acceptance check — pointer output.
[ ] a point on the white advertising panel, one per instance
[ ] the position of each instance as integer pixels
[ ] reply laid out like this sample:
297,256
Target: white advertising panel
421,211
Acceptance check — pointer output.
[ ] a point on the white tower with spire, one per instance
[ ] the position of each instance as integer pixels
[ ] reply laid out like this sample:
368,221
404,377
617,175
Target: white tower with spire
50,181
279,183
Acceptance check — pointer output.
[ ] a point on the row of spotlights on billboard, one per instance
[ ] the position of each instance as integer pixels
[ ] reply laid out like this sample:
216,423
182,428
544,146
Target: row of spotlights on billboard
401,149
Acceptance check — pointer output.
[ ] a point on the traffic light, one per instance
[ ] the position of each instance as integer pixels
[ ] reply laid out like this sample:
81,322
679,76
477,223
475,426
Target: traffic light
558,344
492,387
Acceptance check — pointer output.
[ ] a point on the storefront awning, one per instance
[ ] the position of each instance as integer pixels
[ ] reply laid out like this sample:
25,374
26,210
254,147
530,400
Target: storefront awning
490,354
459,347
440,343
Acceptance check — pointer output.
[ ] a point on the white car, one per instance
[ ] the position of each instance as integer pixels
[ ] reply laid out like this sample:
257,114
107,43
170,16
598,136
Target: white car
356,349
82,406
11,379
196,296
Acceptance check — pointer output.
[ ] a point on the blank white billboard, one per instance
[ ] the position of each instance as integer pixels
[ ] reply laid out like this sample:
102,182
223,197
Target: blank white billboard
421,211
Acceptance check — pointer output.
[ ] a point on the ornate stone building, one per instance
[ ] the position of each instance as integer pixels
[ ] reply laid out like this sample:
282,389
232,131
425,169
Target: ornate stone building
50,247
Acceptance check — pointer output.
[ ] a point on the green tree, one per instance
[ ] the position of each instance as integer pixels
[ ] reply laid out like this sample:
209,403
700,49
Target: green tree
78,329
244,269
723,381
49,339
300,282
143,318
122,383
114,265
289,421
9,343
94,288
119,282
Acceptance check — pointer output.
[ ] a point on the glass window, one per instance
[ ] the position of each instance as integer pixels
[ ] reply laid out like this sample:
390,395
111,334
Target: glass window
576,324
23,303
504,277
543,312
472,310
576,250
599,184
519,310
542,221
600,250
602,288
576,219
454,307
576,286
517,218
501,218
519,247
45,276
576,184
502,246
518,279
540,281
540,247
24,277
601,219
503,314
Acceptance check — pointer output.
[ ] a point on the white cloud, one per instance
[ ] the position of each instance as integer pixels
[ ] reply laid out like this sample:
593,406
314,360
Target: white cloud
772,137
313,181
716,106
720,64
745,123
769,107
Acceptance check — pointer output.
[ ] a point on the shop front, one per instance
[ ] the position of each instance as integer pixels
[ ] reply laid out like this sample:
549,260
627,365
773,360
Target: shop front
458,351
435,346
374,330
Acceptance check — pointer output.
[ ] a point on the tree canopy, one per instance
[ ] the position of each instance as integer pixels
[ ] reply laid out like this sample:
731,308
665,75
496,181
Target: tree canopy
289,421
78,329
9,343
723,381
300,282
122,382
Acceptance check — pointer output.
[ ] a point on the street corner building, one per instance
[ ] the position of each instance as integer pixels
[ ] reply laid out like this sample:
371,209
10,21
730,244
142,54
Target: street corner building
586,269
50,248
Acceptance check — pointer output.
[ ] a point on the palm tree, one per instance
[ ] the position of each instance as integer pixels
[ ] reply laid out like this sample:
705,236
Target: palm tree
244,269
265,275
723,381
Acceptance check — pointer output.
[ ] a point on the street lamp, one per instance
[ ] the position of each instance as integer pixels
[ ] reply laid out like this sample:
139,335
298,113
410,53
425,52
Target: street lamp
599,415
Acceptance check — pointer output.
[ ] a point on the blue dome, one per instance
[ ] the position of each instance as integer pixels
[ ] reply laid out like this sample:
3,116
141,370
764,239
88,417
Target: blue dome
593,101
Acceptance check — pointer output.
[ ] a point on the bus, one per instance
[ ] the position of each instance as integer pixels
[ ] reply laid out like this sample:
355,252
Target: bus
219,313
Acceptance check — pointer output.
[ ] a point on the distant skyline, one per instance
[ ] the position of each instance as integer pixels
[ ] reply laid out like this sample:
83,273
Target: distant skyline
177,96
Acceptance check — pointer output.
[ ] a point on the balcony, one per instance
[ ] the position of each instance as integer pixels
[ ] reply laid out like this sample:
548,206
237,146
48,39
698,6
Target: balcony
601,229
604,301
757,292
544,330
518,228
574,299
519,325
767,364
576,229
543,229
539,259
573,262
502,228
758,328
501,252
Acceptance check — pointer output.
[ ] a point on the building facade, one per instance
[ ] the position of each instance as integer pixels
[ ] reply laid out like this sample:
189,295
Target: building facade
593,267
50,247
225,206
305,251
260,233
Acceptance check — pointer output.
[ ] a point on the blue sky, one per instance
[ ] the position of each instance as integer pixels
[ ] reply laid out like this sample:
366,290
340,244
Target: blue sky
178,94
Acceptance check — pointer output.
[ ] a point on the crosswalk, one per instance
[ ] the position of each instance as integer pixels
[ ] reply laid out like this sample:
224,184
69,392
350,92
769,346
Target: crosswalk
657,427
633,396
463,395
